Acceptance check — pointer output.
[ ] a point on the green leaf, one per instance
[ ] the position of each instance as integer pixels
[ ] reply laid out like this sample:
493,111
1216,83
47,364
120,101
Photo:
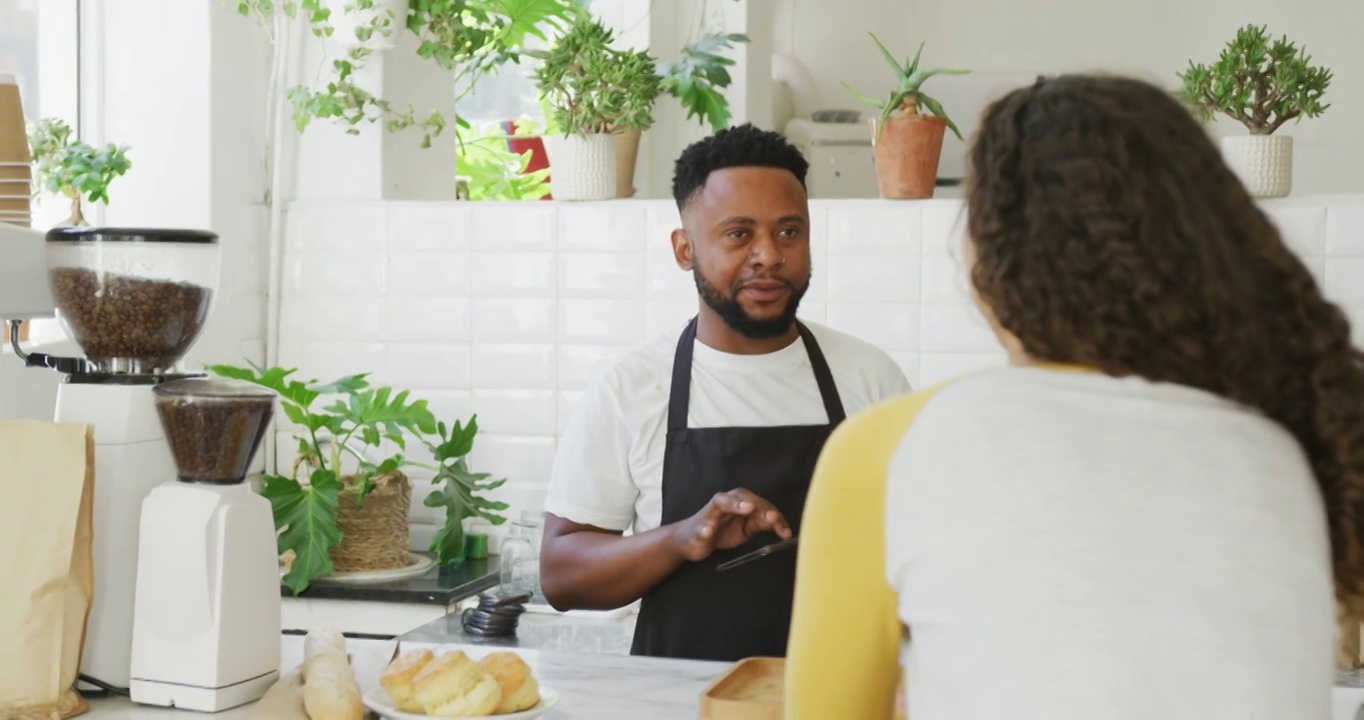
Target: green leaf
457,489
935,107
307,516
894,64
864,98
458,442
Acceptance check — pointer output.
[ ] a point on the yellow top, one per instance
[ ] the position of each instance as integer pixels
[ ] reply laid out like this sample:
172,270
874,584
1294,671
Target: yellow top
842,659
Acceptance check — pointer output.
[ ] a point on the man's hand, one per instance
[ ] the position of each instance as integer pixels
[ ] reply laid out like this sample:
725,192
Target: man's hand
728,521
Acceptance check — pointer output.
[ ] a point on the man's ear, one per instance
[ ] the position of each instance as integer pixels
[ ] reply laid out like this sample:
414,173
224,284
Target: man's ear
682,249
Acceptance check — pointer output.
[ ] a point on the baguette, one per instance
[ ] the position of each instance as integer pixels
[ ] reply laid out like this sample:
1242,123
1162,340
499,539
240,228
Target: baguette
330,691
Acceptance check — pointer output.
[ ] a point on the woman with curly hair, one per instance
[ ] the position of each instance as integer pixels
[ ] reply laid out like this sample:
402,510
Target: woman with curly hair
1151,512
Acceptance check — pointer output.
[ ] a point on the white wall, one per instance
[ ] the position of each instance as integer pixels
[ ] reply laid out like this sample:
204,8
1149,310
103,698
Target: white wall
190,104
505,310
1153,39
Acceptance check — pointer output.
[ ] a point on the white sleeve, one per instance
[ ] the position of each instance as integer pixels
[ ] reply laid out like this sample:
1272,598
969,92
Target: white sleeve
888,379
590,482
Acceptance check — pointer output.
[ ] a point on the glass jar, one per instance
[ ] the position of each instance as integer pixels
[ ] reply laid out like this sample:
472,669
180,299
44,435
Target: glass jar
516,550
520,559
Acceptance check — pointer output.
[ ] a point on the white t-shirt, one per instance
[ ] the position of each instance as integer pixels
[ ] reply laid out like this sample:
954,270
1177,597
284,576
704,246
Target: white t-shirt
608,471
1073,546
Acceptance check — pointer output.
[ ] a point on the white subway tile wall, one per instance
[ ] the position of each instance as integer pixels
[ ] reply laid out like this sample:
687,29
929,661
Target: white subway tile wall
507,309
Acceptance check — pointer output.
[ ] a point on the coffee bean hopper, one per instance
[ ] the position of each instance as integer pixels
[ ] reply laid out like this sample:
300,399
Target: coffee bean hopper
135,300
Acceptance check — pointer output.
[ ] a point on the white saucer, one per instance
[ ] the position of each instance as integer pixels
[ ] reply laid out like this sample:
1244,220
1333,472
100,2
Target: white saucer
379,701
419,565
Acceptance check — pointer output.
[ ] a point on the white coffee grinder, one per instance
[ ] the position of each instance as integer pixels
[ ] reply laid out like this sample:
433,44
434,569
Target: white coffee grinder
206,629
135,301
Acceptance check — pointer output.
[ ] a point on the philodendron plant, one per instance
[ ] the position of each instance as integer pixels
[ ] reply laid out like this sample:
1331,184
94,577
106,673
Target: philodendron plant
697,78
372,428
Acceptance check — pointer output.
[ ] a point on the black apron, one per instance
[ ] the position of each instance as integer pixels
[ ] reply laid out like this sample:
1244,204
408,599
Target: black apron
698,613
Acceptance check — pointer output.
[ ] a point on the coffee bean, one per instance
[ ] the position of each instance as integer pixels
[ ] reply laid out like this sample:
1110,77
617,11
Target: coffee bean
213,439
152,323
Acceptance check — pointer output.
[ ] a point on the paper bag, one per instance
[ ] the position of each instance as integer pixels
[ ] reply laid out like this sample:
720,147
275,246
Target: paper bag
46,569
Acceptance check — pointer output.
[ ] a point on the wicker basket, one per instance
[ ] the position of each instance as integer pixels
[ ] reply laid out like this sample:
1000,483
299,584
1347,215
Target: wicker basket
377,534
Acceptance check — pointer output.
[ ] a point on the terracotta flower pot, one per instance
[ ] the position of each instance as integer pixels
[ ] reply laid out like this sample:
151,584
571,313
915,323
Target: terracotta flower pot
907,153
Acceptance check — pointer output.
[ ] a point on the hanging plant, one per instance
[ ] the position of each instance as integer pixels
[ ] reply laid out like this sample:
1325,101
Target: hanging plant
468,38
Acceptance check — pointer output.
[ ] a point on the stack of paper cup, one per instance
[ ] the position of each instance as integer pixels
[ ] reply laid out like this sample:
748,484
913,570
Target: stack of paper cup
16,170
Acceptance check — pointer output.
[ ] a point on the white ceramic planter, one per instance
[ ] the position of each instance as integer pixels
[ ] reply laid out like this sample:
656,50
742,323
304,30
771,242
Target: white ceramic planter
345,22
582,167
1263,162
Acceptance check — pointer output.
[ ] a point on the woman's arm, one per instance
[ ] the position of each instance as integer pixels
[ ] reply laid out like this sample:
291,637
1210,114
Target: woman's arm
845,635
842,659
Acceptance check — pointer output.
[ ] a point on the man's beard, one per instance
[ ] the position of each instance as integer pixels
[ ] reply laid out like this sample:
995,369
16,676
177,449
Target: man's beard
729,310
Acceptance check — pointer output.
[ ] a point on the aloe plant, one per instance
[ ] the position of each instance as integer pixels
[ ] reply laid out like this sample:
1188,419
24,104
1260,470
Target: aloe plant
907,97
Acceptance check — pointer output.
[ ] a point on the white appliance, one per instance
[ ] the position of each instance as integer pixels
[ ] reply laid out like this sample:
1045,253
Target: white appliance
134,301
206,629
840,157
836,143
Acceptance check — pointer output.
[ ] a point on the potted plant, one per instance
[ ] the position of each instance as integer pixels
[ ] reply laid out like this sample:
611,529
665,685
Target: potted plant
906,143
349,511
73,169
592,91
1263,84
695,81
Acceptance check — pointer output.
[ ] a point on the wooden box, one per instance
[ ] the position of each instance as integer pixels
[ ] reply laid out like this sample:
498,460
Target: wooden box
753,689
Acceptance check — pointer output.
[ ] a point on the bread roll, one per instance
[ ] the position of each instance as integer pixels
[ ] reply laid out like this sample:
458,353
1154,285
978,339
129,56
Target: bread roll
397,678
329,688
520,690
455,686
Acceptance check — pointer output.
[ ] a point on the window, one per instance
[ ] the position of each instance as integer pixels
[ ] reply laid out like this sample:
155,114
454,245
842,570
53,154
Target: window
39,46
510,93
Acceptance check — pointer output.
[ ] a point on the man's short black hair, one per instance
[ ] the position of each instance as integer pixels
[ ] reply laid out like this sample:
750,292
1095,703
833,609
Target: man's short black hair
740,146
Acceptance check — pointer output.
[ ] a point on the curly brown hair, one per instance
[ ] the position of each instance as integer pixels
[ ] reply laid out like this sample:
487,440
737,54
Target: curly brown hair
1109,232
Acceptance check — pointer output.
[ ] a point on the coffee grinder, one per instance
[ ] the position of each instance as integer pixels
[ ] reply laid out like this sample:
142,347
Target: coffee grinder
135,301
206,628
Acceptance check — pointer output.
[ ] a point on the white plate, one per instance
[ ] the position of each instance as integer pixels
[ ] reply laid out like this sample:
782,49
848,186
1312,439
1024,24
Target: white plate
417,566
379,701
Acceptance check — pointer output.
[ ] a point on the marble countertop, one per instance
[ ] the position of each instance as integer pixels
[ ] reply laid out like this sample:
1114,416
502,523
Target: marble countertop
584,658
600,686
594,633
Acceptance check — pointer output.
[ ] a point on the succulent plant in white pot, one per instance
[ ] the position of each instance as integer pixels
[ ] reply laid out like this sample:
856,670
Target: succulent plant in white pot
592,91
1262,83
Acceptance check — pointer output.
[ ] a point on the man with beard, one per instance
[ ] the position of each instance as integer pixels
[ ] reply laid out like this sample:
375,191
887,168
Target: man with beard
703,445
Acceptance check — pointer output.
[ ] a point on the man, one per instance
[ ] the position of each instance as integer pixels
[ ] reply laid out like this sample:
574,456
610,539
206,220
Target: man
704,445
